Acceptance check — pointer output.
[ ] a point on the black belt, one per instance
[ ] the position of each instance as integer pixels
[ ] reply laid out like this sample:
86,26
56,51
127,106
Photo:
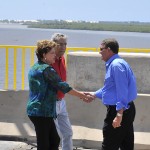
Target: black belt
59,99
109,106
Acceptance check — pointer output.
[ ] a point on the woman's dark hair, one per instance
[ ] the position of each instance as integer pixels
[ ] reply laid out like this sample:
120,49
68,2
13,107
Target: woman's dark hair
112,44
43,47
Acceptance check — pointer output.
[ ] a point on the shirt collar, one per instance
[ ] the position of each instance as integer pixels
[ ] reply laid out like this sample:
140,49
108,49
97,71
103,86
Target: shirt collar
111,59
58,58
41,62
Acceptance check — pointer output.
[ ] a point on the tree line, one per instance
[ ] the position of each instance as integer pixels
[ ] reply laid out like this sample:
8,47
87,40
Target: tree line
131,26
96,26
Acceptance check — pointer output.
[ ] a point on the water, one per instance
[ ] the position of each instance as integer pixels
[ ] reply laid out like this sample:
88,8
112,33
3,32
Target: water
14,34
21,35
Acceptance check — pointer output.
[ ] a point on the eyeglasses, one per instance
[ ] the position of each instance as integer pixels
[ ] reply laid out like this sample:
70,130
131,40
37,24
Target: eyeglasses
101,49
61,44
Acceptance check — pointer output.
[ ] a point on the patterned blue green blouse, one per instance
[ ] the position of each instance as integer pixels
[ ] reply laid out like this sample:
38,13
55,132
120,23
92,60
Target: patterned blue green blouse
44,83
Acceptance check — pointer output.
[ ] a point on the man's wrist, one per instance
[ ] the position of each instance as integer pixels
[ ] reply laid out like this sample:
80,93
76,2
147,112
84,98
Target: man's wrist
119,114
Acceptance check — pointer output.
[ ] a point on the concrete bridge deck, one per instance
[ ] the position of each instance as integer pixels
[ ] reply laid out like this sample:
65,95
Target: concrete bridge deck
86,119
83,136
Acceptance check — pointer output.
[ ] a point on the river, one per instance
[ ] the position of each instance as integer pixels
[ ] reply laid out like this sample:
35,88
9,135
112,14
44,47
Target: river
15,34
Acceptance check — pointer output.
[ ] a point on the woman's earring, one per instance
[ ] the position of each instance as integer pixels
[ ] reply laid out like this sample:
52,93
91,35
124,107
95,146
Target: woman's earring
45,58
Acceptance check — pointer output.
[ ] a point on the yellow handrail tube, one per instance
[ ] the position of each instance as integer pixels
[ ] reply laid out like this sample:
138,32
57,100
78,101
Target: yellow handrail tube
32,60
6,69
23,68
15,69
32,56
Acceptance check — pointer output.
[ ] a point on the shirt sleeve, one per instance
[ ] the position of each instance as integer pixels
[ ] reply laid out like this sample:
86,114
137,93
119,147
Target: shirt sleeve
121,81
55,81
98,93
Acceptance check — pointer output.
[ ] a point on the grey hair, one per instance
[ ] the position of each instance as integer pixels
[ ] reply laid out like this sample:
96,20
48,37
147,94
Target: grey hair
57,36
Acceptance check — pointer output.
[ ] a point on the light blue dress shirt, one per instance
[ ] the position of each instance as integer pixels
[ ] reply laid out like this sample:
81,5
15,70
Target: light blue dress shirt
119,85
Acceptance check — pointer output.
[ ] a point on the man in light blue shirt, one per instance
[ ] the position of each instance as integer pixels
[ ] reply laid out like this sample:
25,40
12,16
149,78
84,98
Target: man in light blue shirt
117,94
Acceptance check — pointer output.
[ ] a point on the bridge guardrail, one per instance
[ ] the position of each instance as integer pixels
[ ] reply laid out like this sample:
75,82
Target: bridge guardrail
17,57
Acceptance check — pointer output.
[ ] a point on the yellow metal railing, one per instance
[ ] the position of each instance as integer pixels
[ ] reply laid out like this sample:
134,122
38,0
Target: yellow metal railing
135,50
15,70
23,50
6,69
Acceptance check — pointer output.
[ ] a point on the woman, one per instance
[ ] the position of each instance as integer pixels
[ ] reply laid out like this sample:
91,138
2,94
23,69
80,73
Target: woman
43,86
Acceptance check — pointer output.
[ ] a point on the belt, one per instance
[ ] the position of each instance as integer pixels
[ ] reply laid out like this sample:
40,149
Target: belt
109,106
58,99
130,102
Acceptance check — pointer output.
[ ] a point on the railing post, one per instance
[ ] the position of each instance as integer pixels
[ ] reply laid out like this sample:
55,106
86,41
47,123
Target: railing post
15,69
32,56
23,68
32,59
6,68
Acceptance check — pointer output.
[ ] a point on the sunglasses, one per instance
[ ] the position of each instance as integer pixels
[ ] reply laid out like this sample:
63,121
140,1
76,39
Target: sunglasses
101,49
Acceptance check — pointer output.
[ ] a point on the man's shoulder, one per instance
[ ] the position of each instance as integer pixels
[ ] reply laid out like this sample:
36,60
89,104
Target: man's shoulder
118,60
119,63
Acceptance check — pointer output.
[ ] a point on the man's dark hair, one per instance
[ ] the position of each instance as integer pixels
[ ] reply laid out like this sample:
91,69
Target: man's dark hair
112,44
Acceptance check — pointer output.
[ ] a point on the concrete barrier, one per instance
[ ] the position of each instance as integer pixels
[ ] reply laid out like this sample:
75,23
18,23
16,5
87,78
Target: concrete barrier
86,70
86,119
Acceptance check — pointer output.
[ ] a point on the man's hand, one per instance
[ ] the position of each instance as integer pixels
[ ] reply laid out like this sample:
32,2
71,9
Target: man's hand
117,121
88,97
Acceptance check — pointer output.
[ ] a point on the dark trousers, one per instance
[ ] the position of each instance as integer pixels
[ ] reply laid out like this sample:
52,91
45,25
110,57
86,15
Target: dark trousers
46,133
121,137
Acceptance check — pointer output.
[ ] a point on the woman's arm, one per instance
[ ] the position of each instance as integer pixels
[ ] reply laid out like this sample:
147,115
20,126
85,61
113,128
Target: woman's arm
54,80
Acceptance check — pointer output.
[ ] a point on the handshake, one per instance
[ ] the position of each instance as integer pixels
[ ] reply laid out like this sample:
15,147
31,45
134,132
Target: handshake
88,97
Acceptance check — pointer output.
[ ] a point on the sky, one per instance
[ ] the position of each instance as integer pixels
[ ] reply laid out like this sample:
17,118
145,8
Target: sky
83,10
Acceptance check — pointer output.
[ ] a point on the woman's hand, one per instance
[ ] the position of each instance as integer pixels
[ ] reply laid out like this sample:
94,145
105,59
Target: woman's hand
88,97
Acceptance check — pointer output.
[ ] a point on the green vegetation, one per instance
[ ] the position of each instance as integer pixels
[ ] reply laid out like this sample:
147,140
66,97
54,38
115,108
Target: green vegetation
83,25
97,26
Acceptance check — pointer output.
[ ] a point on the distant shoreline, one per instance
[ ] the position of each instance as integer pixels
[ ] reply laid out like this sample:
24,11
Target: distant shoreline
94,26
12,25
116,27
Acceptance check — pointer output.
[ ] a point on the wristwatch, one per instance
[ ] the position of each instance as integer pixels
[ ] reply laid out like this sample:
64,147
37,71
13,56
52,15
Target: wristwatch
119,115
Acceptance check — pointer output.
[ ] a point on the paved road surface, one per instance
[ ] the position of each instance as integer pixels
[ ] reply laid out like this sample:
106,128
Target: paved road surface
11,145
